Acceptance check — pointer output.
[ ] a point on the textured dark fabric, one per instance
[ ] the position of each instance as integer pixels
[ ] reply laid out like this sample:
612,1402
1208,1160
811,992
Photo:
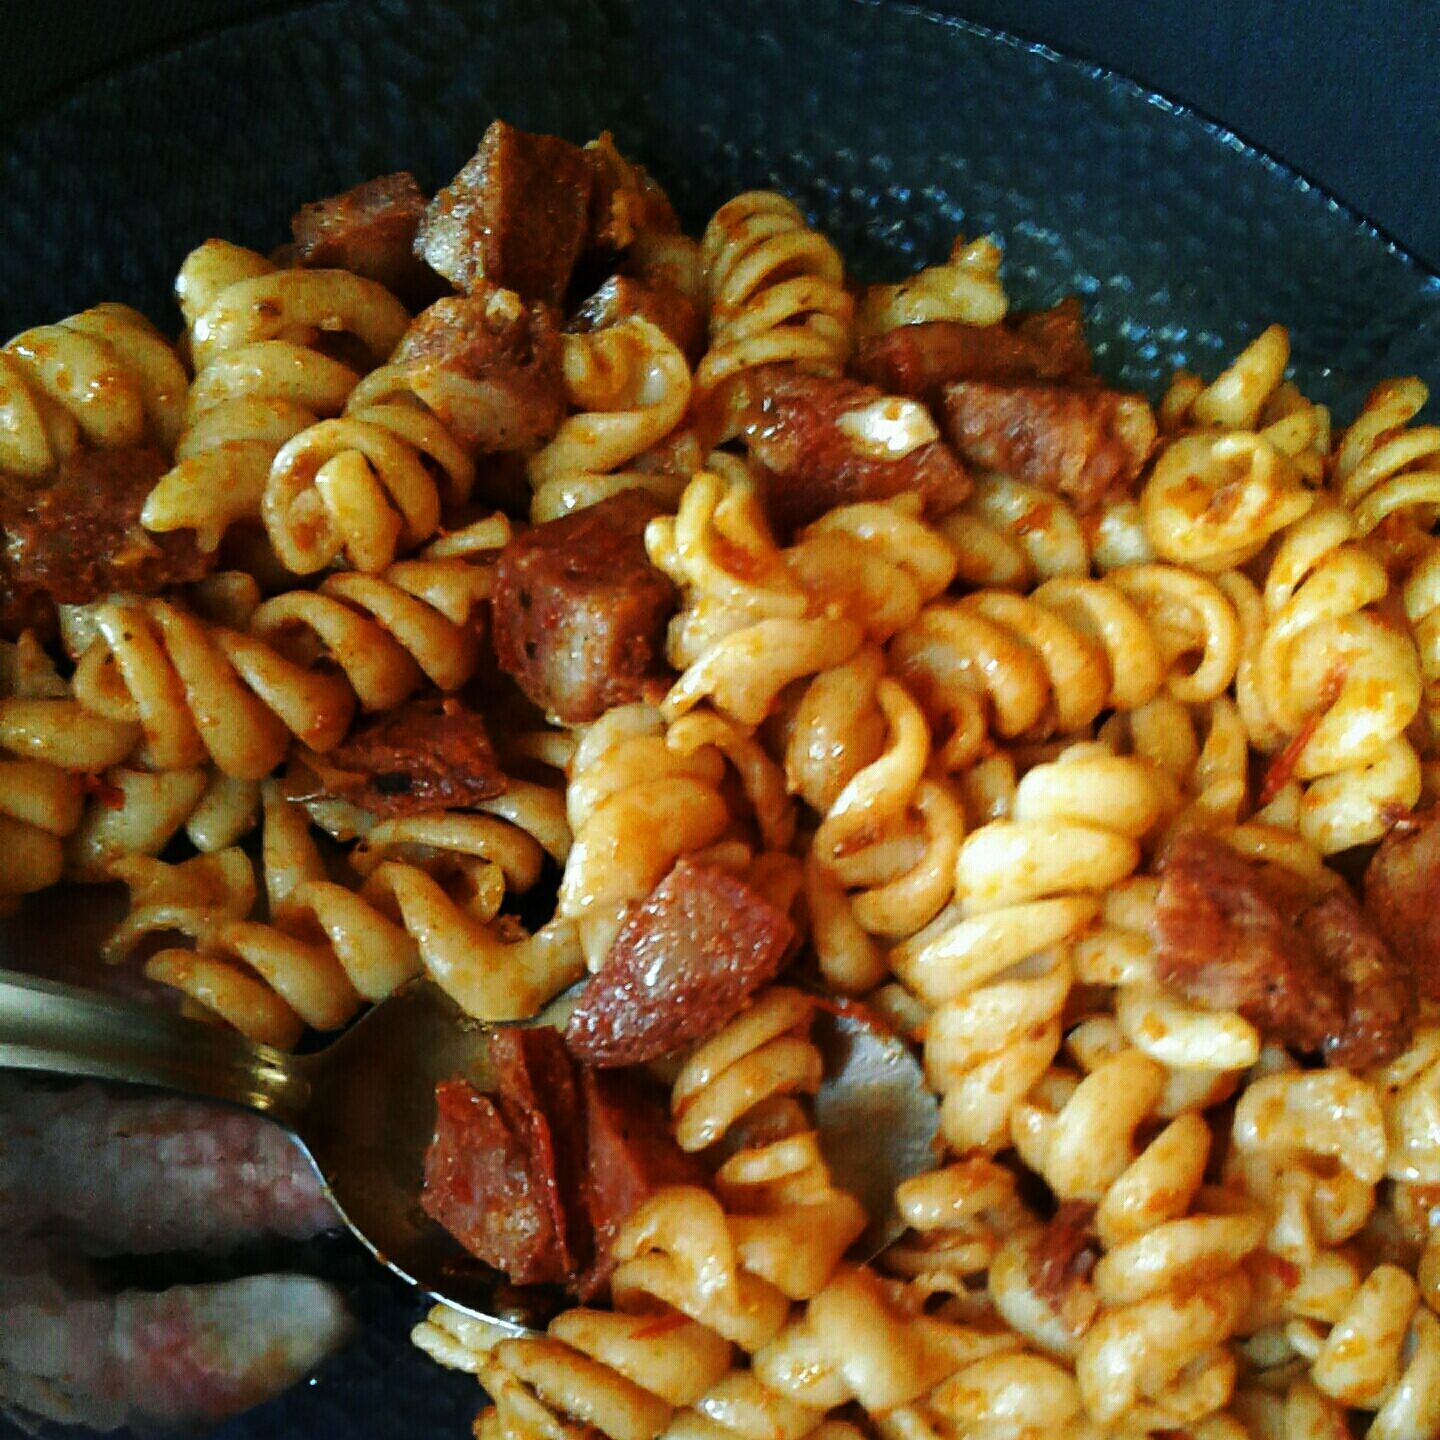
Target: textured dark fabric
1343,90
892,129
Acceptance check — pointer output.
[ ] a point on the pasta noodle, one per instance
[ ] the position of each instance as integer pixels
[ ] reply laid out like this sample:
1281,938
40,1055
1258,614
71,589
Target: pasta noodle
1333,674
103,379
631,385
995,967
431,889
256,389
1051,662
203,690
776,295
48,748
967,288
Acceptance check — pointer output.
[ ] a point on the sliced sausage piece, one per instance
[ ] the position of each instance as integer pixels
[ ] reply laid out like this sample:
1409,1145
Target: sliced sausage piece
427,754
684,963
79,536
1056,340
1064,1252
579,611
508,356
481,1186
921,360
630,1154
370,231
1379,985
1085,442
663,305
1228,940
625,199
829,441
540,1097
1402,883
517,214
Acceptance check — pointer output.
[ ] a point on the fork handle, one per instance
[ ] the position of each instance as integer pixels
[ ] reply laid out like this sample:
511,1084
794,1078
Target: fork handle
64,1030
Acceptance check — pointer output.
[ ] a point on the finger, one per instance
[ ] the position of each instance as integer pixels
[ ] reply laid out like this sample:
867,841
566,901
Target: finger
181,1357
139,1174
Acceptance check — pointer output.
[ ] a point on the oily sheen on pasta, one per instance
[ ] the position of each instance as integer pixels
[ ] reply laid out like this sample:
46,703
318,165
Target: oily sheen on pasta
517,591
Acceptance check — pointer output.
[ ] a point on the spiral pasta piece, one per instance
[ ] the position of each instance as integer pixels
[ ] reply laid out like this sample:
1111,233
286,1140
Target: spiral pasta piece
641,794
995,967
746,628
1252,394
51,751
966,287
1012,535
1154,1352
631,386
256,334
1050,662
776,295
1387,475
201,689
432,886
1339,681
103,379
892,834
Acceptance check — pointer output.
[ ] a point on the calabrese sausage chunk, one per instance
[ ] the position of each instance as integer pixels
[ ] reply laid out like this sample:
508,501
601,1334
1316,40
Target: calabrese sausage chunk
580,612
518,214
828,441
370,231
683,964
431,753
1312,974
921,360
502,358
78,536
538,1178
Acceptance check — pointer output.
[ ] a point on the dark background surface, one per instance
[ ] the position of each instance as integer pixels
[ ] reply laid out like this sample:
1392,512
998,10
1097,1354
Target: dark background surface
1344,90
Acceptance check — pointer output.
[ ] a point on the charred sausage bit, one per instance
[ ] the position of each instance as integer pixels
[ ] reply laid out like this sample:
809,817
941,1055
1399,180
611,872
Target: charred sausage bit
663,305
480,1185
579,612
511,351
630,1153
1313,975
921,360
1379,985
517,214
793,425
683,964
1401,888
1227,939
427,754
540,1095
1063,1253
624,200
78,536
539,1178
1085,442
370,231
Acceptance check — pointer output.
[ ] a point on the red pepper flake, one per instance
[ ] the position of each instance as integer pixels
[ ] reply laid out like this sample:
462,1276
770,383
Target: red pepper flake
852,1010
657,1326
1037,517
1283,765
110,796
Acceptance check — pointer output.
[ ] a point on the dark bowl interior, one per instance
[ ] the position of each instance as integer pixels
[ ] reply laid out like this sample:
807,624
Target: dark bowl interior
894,128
